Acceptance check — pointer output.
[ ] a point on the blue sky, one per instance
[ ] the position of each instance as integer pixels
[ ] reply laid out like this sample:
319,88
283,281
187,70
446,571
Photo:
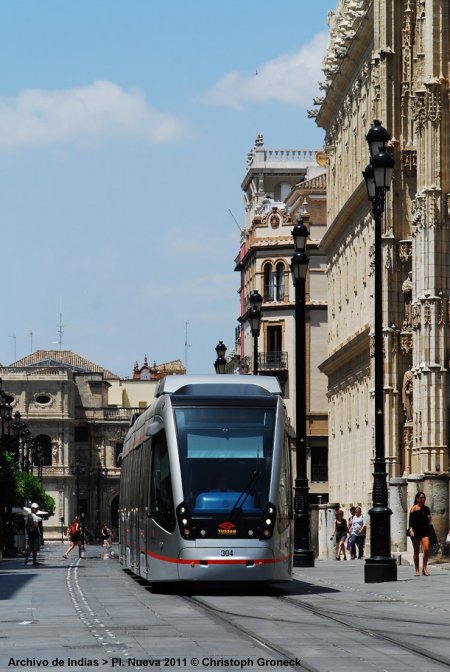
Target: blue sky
124,132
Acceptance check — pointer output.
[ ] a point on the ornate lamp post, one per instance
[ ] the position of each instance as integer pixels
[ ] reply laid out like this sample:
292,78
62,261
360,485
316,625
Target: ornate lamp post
17,430
77,469
5,415
303,556
39,458
378,174
255,317
220,363
27,443
98,473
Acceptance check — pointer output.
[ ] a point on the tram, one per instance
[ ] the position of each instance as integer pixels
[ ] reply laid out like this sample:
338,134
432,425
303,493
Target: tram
205,488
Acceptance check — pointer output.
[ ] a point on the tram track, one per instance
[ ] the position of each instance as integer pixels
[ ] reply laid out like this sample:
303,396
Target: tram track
267,646
231,618
374,634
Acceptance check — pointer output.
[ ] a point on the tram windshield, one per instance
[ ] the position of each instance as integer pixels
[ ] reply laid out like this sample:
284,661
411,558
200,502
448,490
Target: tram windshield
225,457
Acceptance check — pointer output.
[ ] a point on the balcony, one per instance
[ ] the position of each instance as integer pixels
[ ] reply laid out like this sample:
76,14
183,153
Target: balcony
319,473
107,414
119,414
272,361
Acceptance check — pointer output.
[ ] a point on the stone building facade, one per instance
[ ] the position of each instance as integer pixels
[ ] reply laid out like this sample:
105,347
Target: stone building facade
389,60
277,184
79,412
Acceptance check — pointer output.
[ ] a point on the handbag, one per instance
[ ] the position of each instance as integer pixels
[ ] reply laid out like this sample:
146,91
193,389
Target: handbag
433,537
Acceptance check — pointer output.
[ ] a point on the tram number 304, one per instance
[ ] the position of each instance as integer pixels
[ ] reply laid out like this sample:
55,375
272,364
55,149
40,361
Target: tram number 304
225,553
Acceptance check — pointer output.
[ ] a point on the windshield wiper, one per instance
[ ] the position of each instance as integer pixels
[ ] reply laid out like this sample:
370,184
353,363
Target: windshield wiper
248,490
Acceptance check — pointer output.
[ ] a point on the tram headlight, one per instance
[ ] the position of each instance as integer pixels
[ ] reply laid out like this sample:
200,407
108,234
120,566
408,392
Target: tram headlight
267,522
185,522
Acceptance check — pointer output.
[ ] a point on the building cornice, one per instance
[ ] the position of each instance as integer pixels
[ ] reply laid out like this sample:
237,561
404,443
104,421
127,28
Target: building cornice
354,347
281,247
351,43
356,204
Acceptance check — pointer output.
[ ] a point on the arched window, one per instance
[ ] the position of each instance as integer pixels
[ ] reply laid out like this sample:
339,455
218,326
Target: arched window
43,451
279,274
269,282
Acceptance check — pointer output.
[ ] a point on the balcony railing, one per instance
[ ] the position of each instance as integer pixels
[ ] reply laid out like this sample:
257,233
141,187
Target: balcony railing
272,361
319,473
107,414
122,413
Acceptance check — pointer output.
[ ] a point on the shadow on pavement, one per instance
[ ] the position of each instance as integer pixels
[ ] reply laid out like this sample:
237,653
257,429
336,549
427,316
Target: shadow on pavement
12,581
235,589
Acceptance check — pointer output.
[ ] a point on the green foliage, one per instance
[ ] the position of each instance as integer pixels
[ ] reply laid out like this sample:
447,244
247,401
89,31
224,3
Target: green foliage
18,488
9,495
30,489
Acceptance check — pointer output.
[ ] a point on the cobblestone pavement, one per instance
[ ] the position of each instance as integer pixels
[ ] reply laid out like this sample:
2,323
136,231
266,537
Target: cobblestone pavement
83,614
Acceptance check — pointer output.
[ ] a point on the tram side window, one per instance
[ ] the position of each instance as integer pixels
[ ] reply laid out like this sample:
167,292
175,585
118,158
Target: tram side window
162,505
144,475
284,491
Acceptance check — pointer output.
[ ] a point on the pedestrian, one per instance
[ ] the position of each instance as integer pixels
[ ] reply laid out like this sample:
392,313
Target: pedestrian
340,531
349,526
419,531
357,533
106,536
74,534
32,534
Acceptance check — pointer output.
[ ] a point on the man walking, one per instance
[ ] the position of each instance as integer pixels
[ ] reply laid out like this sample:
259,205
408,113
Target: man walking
33,534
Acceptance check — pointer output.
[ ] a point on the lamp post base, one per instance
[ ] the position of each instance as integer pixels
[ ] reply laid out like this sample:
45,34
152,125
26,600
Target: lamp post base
303,557
380,570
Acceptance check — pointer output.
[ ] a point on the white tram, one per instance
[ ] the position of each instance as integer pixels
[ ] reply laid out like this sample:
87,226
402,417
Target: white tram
205,490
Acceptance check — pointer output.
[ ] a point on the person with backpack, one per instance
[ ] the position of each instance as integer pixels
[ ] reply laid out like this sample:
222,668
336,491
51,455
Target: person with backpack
74,533
33,534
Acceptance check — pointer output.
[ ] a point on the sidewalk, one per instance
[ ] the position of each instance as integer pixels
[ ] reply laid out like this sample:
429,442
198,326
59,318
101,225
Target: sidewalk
91,610
412,611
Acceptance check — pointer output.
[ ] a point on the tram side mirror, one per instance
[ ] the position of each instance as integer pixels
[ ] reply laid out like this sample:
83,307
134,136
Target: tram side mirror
153,428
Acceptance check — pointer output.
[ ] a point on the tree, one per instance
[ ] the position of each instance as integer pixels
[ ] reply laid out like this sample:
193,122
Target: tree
30,489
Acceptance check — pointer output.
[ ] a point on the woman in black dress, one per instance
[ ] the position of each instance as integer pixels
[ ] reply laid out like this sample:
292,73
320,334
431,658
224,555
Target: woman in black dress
340,532
418,528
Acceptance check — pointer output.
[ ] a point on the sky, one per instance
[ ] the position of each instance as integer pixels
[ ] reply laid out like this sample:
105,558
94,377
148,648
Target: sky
124,132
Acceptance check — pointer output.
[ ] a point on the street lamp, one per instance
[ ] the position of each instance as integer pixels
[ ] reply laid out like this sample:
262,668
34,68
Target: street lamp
17,428
378,174
303,556
255,316
220,363
77,469
5,415
98,474
27,442
38,458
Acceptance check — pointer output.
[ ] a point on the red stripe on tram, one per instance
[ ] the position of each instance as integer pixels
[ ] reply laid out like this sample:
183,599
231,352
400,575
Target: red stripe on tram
219,561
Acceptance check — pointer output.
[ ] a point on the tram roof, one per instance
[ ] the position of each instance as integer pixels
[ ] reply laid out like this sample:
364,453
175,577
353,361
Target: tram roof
218,385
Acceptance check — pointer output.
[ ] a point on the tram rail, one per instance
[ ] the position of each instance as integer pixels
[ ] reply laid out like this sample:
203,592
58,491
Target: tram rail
232,617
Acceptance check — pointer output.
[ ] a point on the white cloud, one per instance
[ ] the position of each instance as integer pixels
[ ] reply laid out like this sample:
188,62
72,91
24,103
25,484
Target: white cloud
290,78
37,117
